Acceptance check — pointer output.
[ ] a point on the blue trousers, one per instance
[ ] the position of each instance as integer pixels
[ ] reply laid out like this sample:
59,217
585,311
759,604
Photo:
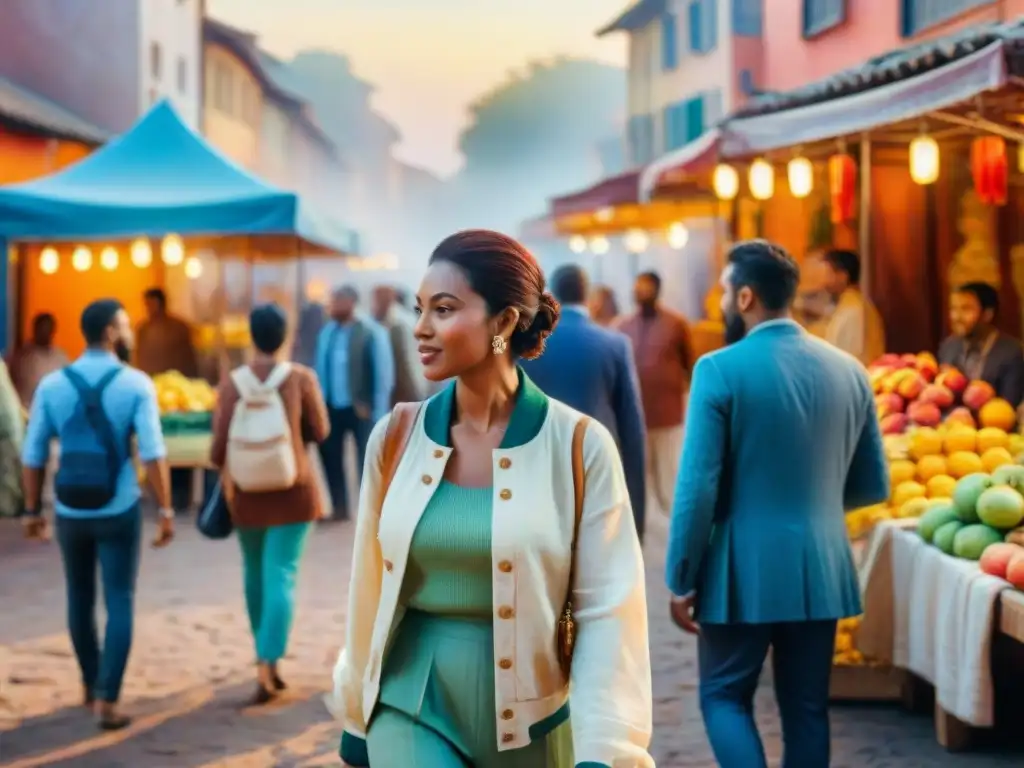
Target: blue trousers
270,558
112,543
731,657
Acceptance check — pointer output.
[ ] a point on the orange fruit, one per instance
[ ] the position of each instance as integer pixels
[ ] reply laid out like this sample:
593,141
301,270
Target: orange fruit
992,437
900,471
940,487
925,442
994,458
930,466
960,438
998,413
963,463
906,491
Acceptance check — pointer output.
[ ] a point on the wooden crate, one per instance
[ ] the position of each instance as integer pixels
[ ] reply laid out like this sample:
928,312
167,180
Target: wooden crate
866,683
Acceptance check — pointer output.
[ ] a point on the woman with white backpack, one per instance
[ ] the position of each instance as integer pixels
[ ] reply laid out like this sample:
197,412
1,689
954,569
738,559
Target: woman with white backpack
267,411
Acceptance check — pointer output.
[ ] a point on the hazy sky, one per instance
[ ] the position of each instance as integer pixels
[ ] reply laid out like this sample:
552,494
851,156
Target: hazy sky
430,58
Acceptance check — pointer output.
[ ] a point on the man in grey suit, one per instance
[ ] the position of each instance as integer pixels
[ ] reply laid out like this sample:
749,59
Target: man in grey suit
782,438
591,369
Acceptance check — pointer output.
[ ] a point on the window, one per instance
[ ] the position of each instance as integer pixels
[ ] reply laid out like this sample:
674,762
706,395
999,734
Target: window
669,42
823,15
641,139
182,75
684,121
917,15
747,17
703,25
155,62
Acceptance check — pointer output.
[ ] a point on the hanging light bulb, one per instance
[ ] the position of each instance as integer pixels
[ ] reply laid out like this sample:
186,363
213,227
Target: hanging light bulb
141,253
801,177
81,258
636,241
726,182
109,258
924,160
49,261
193,268
678,236
577,244
599,245
172,250
761,180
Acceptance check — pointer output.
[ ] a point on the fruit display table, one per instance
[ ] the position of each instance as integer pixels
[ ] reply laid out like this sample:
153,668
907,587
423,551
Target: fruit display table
936,616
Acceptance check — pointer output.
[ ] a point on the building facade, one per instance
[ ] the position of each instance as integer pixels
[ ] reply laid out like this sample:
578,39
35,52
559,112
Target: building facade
812,39
691,62
107,62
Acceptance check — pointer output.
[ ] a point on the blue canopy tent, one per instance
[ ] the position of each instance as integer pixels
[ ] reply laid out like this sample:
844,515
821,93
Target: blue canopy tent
160,178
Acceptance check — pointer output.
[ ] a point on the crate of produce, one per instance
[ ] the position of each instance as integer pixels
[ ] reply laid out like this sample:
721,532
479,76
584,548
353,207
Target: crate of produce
186,423
856,677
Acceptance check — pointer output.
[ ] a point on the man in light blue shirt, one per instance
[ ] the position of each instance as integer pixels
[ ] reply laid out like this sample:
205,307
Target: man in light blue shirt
355,366
94,407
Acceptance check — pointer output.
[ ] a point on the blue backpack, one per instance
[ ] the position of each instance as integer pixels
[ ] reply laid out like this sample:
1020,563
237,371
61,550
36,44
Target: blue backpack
90,462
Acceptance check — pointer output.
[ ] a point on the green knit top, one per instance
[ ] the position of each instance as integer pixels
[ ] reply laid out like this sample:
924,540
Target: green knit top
449,567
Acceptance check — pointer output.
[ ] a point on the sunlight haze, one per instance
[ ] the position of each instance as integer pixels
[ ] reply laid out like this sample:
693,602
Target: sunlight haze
429,60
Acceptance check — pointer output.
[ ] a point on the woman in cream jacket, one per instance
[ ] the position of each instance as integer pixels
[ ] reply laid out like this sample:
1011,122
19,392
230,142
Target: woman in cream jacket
461,571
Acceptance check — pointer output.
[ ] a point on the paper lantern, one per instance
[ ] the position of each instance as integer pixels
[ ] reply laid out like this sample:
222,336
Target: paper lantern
599,245
800,173
193,268
989,169
636,241
109,258
141,253
577,244
924,160
761,180
172,250
726,182
49,261
678,236
842,182
81,259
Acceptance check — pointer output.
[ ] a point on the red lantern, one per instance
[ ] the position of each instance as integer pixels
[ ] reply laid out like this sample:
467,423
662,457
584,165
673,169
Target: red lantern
989,168
842,181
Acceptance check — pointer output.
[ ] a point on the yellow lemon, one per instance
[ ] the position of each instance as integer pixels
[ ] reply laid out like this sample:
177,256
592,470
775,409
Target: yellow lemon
930,466
940,486
1016,444
913,507
908,490
963,463
960,438
900,471
992,437
994,458
925,442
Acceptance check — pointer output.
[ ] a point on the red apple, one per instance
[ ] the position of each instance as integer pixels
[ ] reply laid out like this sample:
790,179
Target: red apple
910,387
937,395
952,379
908,360
977,394
888,402
1015,571
924,414
961,415
894,424
995,560
887,360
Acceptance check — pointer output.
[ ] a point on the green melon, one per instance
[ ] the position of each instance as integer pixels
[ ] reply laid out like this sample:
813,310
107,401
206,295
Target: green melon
945,534
934,518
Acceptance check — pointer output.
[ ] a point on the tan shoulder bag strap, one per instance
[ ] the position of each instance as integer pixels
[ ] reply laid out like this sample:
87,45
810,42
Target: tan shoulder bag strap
579,486
400,426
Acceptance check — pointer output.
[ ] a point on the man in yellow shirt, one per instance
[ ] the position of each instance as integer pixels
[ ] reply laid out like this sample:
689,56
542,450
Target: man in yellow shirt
855,326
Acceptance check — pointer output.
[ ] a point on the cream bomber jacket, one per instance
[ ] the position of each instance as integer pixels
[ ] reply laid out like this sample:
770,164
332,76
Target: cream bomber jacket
533,518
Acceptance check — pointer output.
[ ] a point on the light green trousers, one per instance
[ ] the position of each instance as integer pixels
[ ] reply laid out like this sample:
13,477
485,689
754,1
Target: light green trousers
436,706
270,560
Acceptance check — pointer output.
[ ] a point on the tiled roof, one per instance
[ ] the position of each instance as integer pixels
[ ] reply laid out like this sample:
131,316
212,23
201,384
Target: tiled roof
638,15
895,65
36,113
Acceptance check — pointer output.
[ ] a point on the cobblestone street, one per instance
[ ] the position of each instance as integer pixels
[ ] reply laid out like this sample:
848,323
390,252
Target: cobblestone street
191,670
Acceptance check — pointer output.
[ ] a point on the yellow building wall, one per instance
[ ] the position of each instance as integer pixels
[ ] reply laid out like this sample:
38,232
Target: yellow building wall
232,106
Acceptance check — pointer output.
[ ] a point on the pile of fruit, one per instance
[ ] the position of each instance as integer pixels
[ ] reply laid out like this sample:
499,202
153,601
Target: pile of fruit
914,390
846,653
176,393
984,509
926,463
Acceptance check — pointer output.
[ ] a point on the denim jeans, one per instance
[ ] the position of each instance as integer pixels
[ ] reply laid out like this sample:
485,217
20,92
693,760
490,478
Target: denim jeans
112,543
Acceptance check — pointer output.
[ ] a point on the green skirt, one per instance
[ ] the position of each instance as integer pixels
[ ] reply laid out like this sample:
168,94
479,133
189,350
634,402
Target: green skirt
436,706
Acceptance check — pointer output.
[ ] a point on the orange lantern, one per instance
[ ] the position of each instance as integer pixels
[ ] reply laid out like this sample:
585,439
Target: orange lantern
842,182
989,169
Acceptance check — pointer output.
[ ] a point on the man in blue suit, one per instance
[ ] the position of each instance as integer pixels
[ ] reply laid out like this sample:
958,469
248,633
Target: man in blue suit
782,439
591,369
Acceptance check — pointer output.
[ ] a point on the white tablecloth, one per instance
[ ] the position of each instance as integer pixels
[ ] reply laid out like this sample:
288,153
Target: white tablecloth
933,615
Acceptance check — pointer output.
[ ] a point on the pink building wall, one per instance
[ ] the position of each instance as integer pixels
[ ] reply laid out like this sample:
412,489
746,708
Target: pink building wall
871,27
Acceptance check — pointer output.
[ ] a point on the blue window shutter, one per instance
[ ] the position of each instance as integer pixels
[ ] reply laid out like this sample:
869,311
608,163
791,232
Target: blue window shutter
747,17
822,15
918,15
696,25
711,22
703,18
694,119
669,42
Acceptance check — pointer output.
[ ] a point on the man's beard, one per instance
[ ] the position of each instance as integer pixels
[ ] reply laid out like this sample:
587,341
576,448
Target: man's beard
123,352
735,328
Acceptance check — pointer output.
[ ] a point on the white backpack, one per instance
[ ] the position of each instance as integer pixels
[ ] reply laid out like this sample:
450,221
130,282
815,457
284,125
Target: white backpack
261,454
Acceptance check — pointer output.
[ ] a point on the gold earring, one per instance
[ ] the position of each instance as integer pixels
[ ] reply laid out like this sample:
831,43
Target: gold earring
498,345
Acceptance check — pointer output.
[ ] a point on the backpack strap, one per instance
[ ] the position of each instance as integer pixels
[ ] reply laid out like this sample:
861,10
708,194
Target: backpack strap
92,399
245,382
579,485
400,425
278,376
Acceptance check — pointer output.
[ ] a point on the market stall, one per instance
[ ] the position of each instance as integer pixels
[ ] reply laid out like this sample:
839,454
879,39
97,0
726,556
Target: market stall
159,207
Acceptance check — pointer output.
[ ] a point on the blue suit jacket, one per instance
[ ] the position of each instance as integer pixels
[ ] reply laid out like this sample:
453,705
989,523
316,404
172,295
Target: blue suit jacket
591,369
781,439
